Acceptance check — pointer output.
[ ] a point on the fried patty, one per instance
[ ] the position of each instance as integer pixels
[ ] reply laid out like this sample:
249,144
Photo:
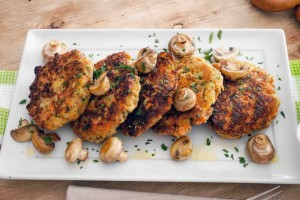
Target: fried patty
59,93
106,112
155,99
246,105
207,82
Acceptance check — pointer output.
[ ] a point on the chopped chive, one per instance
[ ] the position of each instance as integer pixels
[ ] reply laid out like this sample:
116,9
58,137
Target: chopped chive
95,161
236,149
226,155
232,157
164,147
208,141
226,151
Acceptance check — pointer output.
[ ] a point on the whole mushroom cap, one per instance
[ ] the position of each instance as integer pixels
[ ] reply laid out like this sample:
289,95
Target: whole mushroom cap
146,60
184,99
53,47
181,149
260,149
222,53
101,85
181,45
112,150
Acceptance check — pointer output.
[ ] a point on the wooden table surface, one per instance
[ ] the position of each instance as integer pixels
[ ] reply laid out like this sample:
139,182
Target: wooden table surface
17,16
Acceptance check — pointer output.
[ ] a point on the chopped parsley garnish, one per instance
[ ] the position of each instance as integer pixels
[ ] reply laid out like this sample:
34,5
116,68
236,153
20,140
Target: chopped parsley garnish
276,121
91,55
23,101
47,140
79,75
183,50
194,87
81,167
139,111
98,72
236,149
282,113
226,151
138,149
165,50
143,66
185,69
277,65
86,127
242,160
199,49
251,58
95,161
245,165
208,54
78,162
164,147
147,143
156,40
279,78
226,155
128,68
135,146
211,37
199,39
260,63
232,157
208,141
153,34
155,46
153,154
279,88
146,151
149,36
74,43
247,58
219,35
20,121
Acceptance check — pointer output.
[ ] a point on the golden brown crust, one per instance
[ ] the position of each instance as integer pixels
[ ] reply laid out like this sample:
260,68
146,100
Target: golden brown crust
59,93
156,97
106,112
246,105
194,73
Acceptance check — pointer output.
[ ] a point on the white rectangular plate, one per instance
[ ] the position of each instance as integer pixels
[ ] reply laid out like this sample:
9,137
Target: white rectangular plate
147,160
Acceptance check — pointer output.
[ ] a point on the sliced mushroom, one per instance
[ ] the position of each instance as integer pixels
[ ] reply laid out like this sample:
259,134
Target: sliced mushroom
112,150
222,53
24,133
231,70
181,148
75,151
260,149
23,122
44,142
52,48
101,85
146,60
184,99
181,45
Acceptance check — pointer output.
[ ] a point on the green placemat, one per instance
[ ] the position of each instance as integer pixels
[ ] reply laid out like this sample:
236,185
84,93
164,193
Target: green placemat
8,77
295,71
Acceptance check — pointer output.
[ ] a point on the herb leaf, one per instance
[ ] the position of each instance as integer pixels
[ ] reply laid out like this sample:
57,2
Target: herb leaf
226,151
211,37
95,161
139,111
164,147
208,141
219,35
282,113
47,140
236,149
99,71
23,101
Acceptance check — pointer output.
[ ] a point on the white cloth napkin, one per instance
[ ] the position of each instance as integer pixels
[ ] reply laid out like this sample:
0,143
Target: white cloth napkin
88,193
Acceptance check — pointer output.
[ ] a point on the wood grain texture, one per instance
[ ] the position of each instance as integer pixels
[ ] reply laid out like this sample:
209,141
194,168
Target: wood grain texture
17,16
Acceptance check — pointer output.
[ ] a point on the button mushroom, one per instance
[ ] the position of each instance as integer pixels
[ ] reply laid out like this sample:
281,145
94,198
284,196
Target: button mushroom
260,149
44,142
231,70
181,148
112,150
24,132
181,45
222,53
146,60
52,48
75,151
101,85
184,99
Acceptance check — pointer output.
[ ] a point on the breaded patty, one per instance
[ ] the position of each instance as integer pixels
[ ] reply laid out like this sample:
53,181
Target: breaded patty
246,105
59,93
207,82
106,112
156,97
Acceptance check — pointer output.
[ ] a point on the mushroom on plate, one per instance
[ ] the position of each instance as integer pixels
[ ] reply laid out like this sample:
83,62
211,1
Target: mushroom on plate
112,150
52,48
222,53
231,70
75,151
260,149
184,99
24,132
101,85
181,149
146,60
181,45
44,142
